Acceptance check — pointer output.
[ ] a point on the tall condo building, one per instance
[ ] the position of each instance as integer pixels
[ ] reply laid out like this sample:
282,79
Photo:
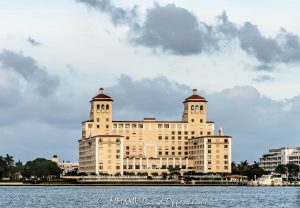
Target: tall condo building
280,156
149,145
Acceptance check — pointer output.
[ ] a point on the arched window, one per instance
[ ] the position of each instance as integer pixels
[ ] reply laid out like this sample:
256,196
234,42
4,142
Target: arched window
102,107
197,107
98,107
192,108
201,108
107,107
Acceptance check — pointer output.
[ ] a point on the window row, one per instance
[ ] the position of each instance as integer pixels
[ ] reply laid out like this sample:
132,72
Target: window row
102,107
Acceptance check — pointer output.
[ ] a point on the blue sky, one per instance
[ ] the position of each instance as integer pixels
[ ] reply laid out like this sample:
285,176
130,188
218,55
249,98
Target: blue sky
68,49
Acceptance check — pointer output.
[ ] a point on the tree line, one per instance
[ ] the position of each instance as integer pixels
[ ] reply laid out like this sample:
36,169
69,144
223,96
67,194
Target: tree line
39,168
253,171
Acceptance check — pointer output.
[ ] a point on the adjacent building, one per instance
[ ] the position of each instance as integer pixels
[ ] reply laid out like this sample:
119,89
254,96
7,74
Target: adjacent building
283,155
113,147
66,166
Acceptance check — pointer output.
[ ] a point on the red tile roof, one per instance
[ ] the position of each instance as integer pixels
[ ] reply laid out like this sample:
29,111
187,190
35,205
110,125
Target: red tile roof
195,98
102,97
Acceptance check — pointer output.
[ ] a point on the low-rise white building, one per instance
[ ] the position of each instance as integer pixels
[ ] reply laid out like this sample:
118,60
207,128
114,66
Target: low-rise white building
66,166
283,155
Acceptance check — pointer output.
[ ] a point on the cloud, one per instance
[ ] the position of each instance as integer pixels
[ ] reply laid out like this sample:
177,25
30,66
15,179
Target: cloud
33,42
263,78
27,67
177,31
118,15
158,97
174,29
255,122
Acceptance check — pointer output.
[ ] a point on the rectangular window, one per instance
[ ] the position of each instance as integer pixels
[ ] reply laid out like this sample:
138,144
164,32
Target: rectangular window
166,153
98,119
167,126
225,156
173,132
208,151
98,126
166,137
208,133
186,132
160,137
225,146
107,126
209,141
226,140
192,120
173,137
201,120
107,119
179,132
127,138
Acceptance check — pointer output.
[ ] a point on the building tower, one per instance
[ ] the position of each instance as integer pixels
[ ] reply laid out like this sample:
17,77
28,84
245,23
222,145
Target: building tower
101,113
195,112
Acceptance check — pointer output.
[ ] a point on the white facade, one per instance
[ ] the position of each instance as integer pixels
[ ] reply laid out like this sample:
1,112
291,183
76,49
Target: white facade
66,166
276,157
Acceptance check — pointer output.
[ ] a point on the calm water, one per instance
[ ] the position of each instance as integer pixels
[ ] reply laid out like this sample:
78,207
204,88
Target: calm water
149,197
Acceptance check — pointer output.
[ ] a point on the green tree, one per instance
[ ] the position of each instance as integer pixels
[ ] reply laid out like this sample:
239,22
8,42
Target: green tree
154,174
164,175
40,168
281,169
3,167
293,169
174,170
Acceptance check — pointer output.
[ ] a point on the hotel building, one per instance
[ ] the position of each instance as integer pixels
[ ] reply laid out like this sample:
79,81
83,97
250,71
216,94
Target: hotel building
113,147
281,156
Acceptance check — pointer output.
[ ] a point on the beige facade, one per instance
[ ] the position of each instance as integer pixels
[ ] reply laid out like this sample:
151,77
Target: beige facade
150,146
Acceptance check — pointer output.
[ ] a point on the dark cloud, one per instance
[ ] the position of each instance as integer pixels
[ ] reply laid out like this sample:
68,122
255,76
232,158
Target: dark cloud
33,42
283,48
176,30
263,78
118,15
27,67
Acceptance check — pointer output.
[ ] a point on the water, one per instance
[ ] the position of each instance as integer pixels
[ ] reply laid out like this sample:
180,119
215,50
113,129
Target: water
136,196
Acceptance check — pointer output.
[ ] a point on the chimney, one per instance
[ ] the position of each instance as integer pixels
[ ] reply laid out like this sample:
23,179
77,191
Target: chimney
221,132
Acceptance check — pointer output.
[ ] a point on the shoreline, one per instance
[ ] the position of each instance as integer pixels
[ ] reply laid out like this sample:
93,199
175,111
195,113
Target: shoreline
113,184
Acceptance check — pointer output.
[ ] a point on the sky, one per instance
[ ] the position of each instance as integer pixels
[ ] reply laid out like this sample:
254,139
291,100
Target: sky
242,56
